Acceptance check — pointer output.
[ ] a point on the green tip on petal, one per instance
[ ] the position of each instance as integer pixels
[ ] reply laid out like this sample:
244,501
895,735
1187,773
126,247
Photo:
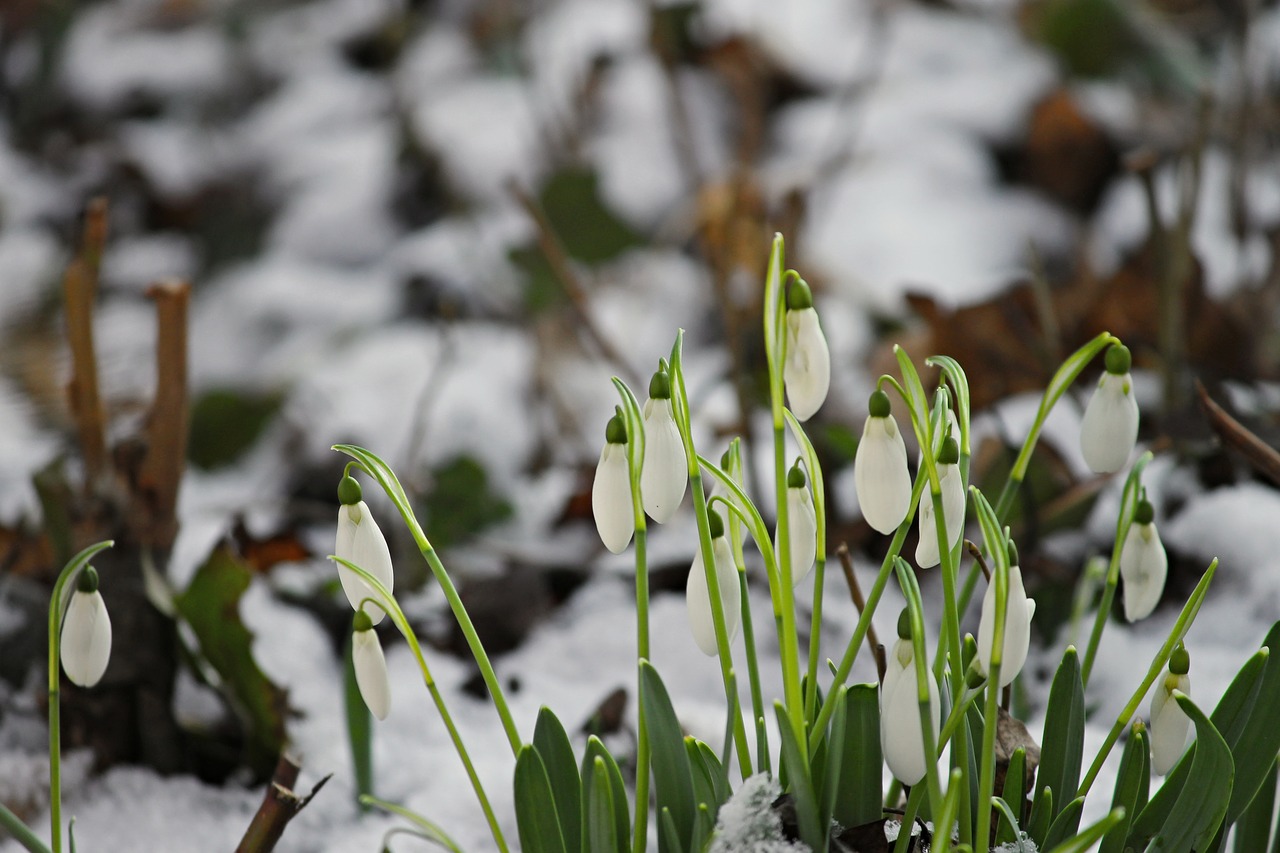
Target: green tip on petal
88,580
795,477
1145,513
950,454
1013,554
799,296
1180,661
715,523
660,386
878,406
349,491
616,431
1118,359
904,624
361,621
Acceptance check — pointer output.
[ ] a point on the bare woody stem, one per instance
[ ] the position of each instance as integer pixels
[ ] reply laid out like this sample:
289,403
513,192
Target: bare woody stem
279,806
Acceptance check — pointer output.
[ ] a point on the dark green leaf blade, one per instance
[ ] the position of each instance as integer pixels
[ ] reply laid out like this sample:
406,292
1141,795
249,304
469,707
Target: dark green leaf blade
1133,785
861,782
672,777
556,752
536,817
1062,746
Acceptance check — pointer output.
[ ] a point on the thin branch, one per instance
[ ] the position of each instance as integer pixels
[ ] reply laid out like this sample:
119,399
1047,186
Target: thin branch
82,391
167,426
1264,458
279,806
860,602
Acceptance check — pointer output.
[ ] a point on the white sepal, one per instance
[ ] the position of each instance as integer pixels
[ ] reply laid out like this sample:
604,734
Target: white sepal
803,541
880,474
371,672
1169,723
666,469
611,498
361,542
901,737
698,598
807,369
1110,426
1144,565
85,646
927,554
1017,628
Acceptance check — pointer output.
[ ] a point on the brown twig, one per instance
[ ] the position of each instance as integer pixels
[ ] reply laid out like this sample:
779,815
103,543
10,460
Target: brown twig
977,555
94,241
167,425
1264,458
855,591
279,806
86,401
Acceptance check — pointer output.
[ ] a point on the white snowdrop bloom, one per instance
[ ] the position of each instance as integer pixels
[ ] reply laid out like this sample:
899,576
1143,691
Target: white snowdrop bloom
85,641
1144,565
803,522
698,596
370,666
901,738
666,469
952,485
1110,426
1017,626
880,475
360,542
1169,723
611,491
807,369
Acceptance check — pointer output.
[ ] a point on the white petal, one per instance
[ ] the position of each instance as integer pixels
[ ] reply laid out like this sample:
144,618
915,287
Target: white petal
880,475
1169,725
666,470
611,498
807,370
371,672
927,554
698,598
1144,565
1110,426
901,738
360,541
1017,629
803,538
85,645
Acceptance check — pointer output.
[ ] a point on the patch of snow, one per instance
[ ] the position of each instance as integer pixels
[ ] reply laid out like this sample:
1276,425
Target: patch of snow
30,263
747,822
24,449
134,263
467,255
562,44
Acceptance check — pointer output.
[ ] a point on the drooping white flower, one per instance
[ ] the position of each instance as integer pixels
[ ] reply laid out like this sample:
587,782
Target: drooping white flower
901,738
807,369
1017,626
666,469
1169,723
803,523
952,485
360,541
880,474
85,642
1144,565
611,491
698,596
370,666
1110,426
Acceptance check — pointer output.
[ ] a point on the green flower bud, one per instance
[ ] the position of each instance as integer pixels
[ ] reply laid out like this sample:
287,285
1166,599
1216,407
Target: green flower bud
878,406
799,296
904,624
349,492
795,477
715,523
660,386
1118,359
1013,554
950,453
1180,661
615,432
1144,513
361,621
88,580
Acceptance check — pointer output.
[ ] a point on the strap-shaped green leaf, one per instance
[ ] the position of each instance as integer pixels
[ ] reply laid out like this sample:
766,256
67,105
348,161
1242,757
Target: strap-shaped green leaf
1041,815
672,778
827,774
668,835
861,786
1062,746
1133,785
596,752
1065,824
600,832
1253,830
704,794
1009,832
1090,835
719,776
1014,795
535,806
1256,747
556,752
799,784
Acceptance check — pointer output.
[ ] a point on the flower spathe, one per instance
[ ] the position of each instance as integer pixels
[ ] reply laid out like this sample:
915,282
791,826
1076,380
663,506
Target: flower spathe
1169,723
611,490
370,667
1017,628
802,540
1144,565
1110,426
952,486
665,472
84,645
901,738
807,368
360,542
880,475
698,595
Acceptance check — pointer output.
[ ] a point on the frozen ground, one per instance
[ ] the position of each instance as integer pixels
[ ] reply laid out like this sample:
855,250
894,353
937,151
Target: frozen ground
914,202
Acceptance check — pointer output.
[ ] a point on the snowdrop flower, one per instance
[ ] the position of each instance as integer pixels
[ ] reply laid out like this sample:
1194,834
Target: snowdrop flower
1169,723
698,596
666,469
927,554
1110,425
880,475
361,542
85,641
611,491
1144,564
807,369
370,665
1017,626
803,521
901,738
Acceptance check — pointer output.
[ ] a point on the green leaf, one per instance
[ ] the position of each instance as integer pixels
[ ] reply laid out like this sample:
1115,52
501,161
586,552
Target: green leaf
719,777
1089,837
600,832
427,829
1010,832
20,832
668,835
562,771
800,784
1253,830
536,816
704,793
1041,815
461,502
596,752
827,771
1062,746
585,226
960,388
1259,742
861,775
672,778
359,728
1065,824
1014,793
225,423
211,607
1133,785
